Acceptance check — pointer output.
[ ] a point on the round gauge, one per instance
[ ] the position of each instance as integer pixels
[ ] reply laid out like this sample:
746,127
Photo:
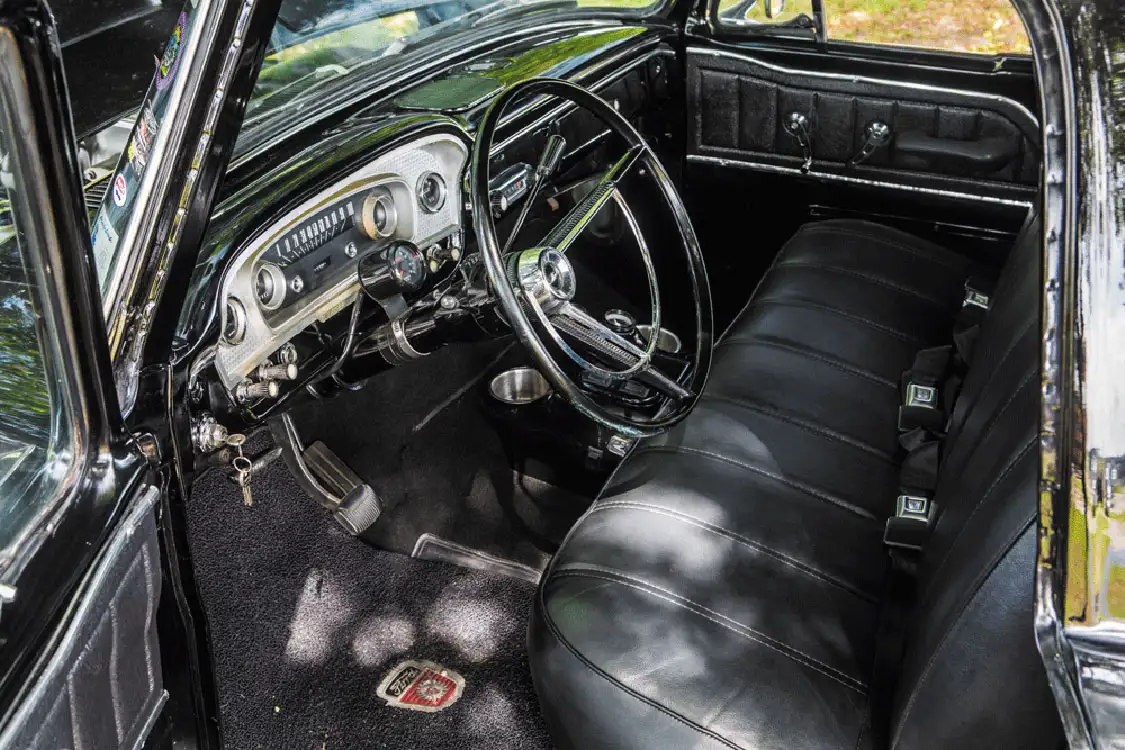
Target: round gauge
379,215
234,321
269,286
407,265
431,192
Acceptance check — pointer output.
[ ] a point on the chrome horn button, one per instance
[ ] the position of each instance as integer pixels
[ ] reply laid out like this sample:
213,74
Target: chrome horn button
546,276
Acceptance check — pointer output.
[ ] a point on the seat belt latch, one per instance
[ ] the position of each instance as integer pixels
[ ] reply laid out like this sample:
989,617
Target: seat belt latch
924,396
909,527
975,298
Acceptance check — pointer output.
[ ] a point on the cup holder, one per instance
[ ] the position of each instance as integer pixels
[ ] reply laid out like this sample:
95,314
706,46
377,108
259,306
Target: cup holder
666,341
519,386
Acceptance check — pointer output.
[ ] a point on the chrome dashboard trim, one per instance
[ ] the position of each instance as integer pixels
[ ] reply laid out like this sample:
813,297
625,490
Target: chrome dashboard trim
796,171
851,78
397,169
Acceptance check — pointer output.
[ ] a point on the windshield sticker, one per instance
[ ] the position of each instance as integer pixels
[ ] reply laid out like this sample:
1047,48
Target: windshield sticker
170,62
120,190
104,239
141,143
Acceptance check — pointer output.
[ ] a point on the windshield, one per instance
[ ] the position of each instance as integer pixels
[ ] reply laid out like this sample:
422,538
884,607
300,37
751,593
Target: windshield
319,40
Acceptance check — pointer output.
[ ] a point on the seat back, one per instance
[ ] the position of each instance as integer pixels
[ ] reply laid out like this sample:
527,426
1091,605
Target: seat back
971,674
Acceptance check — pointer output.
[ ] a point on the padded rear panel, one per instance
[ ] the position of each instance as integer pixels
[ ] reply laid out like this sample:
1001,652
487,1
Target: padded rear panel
739,105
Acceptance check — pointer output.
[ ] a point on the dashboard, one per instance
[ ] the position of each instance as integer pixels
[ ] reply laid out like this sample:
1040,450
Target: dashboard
403,208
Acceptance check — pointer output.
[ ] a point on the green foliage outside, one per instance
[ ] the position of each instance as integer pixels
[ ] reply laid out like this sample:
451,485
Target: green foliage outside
989,27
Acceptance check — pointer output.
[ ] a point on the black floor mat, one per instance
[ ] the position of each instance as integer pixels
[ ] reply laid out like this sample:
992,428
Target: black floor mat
421,437
305,621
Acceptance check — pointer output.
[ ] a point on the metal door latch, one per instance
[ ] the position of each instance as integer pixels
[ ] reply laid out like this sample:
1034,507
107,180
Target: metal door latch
797,125
876,134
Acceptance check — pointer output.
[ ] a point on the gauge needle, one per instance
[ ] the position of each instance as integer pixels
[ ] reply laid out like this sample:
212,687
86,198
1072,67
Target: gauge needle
548,162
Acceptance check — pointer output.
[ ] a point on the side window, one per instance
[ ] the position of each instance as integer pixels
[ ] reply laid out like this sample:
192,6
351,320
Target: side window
37,438
988,27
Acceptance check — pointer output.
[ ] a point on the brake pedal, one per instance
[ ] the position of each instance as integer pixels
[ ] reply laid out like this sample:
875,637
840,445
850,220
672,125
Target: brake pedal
336,475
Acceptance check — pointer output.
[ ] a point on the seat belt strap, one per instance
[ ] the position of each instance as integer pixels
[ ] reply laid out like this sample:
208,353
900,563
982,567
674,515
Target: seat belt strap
898,601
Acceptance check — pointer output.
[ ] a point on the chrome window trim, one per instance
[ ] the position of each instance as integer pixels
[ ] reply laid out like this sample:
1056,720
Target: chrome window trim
847,179
908,85
1080,619
136,235
61,362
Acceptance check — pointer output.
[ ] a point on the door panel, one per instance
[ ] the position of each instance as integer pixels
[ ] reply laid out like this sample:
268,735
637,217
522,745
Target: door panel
945,140
101,685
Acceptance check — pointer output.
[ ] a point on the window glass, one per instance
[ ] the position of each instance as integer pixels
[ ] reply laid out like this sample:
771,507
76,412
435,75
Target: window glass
36,417
316,41
990,27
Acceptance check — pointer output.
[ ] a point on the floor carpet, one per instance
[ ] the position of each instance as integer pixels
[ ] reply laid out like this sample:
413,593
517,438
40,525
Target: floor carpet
422,437
305,622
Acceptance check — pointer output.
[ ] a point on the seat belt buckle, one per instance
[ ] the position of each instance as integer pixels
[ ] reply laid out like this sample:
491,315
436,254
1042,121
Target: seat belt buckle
909,527
920,409
924,396
914,507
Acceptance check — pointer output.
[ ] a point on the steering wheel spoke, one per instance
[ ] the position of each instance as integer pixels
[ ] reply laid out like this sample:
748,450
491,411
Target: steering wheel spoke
581,326
578,218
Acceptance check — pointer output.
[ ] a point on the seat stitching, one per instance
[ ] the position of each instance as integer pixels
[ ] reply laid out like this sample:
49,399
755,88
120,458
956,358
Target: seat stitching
799,486
901,335
886,242
770,411
979,584
865,277
736,537
550,623
810,354
965,524
794,654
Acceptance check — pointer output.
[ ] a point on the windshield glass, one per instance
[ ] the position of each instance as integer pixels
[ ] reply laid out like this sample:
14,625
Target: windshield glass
318,40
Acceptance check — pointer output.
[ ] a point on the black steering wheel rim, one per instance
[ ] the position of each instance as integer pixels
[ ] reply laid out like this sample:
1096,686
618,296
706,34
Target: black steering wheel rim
508,294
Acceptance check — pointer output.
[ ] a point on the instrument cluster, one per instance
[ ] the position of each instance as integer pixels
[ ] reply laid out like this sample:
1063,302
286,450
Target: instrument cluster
398,214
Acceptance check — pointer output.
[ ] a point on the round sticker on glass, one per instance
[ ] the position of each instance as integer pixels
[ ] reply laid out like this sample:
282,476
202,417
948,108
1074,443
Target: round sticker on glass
120,190
170,62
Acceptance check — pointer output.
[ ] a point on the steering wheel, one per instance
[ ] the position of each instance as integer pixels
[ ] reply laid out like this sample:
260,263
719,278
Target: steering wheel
535,287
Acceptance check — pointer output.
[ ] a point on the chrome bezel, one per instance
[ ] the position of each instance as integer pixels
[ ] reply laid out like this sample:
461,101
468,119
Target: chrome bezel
420,194
279,286
234,313
367,214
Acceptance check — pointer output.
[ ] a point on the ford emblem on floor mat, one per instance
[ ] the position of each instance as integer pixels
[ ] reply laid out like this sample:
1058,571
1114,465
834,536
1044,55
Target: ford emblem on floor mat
421,686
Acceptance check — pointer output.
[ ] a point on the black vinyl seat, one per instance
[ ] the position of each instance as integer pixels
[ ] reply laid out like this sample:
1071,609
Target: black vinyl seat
726,588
